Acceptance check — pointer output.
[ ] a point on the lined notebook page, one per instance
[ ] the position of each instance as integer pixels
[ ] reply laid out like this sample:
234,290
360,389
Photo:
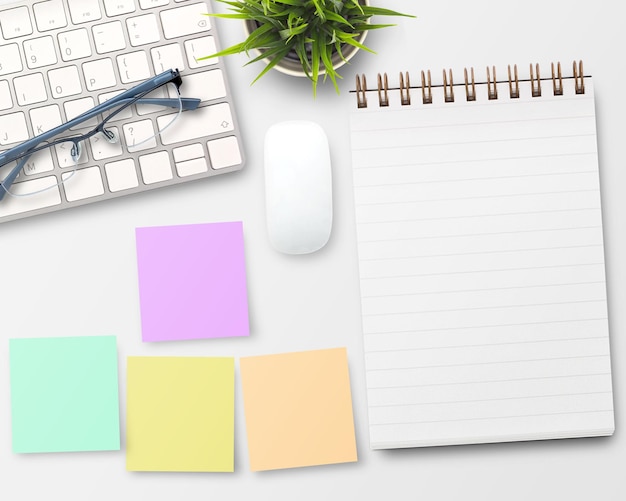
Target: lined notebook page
482,269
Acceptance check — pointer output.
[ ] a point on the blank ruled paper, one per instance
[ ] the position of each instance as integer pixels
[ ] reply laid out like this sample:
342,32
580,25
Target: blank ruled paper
482,271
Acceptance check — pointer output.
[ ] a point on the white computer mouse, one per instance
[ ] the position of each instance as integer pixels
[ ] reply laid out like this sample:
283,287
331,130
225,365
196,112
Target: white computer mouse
298,186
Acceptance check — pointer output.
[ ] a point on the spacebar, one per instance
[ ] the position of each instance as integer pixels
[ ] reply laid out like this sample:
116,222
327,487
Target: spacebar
11,205
194,124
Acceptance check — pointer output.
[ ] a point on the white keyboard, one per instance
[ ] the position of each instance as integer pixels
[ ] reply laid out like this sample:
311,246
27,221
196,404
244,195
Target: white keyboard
59,58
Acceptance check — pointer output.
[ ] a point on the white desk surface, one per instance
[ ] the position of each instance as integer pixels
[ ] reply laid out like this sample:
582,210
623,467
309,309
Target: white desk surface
74,273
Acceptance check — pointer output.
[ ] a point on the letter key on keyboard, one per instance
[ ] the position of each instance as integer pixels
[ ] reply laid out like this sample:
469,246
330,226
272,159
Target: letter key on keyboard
59,58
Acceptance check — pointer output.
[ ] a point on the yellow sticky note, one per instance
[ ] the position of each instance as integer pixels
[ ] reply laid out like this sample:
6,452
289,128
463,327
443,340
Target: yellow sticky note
298,409
180,414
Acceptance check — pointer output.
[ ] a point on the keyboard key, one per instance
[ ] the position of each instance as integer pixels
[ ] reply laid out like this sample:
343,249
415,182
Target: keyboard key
198,48
191,167
10,59
195,124
39,162
45,118
189,152
155,167
15,23
30,89
143,30
101,148
13,128
64,82
133,67
122,115
167,57
6,101
83,183
39,52
148,4
99,74
119,7
121,175
109,37
139,135
185,20
146,109
78,106
84,11
50,15
17,205
224,152
205,86
74,44
64,155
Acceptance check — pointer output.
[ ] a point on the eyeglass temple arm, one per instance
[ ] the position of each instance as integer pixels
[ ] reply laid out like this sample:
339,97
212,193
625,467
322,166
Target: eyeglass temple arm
122,98
186,103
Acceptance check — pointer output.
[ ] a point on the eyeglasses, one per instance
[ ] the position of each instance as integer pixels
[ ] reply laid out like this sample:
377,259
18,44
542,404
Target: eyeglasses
68,148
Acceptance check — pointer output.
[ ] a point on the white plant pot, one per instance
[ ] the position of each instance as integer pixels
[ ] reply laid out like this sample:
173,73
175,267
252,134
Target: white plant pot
292,66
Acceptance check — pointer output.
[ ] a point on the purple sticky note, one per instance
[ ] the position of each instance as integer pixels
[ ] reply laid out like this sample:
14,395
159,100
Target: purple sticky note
192,281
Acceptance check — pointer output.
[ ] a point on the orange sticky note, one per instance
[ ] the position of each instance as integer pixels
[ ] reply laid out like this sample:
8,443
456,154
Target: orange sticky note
298,409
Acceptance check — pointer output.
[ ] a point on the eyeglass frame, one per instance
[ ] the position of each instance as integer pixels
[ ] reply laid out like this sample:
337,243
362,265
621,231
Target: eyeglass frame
23,151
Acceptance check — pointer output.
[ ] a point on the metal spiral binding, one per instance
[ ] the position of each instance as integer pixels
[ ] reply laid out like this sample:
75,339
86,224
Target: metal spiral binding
383,88
427,96
361,91
535,81
405,89
513,91
492,88
448,89
470,85
557,80
579,82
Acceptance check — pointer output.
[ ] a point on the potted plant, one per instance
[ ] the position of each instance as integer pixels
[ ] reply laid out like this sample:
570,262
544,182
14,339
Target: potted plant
303,37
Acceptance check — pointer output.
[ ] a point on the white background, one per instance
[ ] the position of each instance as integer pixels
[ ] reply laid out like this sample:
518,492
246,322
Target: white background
73,273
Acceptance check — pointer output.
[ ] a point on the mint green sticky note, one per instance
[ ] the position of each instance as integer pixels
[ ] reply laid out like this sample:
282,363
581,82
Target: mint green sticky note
64,394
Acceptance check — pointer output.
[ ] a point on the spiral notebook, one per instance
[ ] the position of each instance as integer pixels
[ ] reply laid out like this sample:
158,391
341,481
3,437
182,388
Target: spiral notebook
481,258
